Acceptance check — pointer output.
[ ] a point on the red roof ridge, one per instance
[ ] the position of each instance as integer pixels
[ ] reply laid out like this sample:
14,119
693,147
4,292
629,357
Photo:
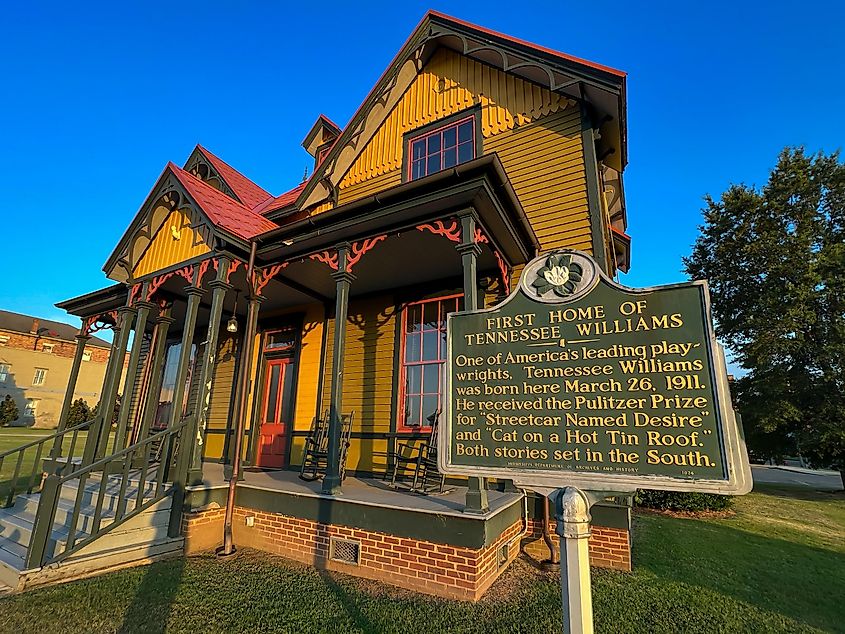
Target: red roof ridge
250,193
516,40
280,201
223,211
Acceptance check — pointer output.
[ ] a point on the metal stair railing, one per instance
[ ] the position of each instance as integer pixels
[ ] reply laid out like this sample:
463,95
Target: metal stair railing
31,478
154,455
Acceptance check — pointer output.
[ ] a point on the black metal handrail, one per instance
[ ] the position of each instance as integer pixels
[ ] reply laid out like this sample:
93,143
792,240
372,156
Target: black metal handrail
149,460
33,481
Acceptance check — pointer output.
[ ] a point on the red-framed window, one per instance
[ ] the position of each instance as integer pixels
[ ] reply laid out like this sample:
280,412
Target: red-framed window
442,148
423,350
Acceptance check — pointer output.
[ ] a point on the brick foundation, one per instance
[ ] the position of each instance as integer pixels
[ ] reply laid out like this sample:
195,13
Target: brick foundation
439,569
609,547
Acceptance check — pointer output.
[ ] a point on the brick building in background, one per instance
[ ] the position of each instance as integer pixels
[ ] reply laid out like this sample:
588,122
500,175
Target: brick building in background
35,362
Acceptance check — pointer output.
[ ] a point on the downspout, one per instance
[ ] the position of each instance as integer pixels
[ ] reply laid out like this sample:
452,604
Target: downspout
243,381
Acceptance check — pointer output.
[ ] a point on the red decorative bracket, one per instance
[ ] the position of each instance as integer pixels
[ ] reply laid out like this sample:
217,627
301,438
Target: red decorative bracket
326,258
451,231
480,238
134,292
232,268
504,271
360,248
95,323
262,277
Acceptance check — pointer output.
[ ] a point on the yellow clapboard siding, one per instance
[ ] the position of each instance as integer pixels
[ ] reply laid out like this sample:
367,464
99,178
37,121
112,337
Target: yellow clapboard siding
213,446
310,356
165,250
365,454
369,187
448,84
368,363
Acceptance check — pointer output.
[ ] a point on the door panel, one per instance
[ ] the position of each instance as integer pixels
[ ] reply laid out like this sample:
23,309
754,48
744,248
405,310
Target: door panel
272,441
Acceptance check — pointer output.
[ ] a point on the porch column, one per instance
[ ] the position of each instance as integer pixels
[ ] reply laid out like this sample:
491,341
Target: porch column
195,433
143,313
81,339
331,481
158,357
98,433
476,500
185,440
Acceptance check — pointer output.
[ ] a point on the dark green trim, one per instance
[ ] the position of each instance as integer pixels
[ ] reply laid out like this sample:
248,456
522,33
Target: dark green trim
605,514
463,531
591,167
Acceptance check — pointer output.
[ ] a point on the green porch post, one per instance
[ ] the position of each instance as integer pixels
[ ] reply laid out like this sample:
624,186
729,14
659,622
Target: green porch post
81,339
159,352
476,500
176,406
195,433
332,481
98,433
143,313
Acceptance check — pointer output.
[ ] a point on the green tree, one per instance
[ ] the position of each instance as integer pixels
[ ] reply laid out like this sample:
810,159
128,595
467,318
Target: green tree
79,412
775,260
8,411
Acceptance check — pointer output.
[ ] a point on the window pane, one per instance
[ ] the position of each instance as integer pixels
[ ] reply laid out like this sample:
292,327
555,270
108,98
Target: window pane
430,316
429,409
450,138
465,152
412,411
443,345
433,143
430,345
413,318
418,149
465,131
413,379
431,383
412,348
450,157
418,169
272,394
286,414
433,164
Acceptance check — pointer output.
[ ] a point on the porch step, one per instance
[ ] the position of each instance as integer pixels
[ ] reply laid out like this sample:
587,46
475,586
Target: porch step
139,538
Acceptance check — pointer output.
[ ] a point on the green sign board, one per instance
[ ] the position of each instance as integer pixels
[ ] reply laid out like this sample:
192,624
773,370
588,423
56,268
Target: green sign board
576,380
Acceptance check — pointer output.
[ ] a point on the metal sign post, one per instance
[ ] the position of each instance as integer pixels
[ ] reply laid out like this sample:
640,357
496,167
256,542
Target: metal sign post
572,512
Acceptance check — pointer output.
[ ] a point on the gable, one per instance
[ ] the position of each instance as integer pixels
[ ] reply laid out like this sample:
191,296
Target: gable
174,242
448,84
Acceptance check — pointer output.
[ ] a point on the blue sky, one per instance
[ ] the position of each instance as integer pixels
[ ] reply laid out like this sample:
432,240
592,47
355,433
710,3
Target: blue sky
97,98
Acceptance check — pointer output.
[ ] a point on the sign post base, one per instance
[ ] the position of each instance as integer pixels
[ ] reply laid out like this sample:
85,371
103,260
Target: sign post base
572,512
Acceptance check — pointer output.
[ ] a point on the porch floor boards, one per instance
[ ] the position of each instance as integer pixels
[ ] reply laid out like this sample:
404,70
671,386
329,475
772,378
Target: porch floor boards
365,491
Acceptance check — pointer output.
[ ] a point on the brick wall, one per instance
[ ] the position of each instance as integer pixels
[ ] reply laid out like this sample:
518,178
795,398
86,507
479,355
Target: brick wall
609,547
439,569
61,348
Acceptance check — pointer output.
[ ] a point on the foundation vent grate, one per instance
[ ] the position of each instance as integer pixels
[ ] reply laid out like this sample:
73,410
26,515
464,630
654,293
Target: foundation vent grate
345,550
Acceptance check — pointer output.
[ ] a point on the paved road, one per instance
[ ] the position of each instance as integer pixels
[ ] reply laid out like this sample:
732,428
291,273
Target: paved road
820,480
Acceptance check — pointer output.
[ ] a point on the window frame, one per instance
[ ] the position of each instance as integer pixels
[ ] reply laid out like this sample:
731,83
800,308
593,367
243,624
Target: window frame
48,347
5,371
30,410
39,373
440,125
401,427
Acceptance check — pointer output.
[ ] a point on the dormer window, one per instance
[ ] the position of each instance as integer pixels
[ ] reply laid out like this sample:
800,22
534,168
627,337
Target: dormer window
441,148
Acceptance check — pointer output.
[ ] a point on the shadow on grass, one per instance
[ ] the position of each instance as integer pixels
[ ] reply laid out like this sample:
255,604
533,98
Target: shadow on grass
795,580
150,607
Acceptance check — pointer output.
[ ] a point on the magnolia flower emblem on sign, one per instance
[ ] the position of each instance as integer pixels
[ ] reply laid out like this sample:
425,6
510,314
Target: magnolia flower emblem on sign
560,274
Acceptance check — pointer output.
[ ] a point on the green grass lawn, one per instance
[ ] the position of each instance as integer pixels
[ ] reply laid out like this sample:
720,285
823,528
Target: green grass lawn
778,565
13,437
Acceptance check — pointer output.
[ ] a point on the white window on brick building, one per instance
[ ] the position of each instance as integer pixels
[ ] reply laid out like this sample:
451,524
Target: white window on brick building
47,347
31,408
40,376
86,356
4,339
5,369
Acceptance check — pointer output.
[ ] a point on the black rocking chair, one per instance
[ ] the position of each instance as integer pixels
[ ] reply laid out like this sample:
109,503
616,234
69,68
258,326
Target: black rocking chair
420,459
316,453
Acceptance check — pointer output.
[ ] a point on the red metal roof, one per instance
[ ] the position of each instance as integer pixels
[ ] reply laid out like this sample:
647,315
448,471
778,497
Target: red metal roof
286,199
223,211
249,193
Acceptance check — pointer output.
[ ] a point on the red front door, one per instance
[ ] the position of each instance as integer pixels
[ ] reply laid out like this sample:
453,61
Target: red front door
272,441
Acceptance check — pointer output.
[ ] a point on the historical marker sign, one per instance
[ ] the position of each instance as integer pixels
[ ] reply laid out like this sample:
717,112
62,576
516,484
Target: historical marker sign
575,380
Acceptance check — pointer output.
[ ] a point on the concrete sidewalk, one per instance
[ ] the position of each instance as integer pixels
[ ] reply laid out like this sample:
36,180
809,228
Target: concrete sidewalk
821,480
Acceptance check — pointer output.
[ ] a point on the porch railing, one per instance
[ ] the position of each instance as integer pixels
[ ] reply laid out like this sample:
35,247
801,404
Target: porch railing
137,473
27,475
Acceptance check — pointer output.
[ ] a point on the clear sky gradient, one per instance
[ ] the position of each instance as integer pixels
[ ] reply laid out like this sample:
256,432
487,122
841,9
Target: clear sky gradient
97,98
